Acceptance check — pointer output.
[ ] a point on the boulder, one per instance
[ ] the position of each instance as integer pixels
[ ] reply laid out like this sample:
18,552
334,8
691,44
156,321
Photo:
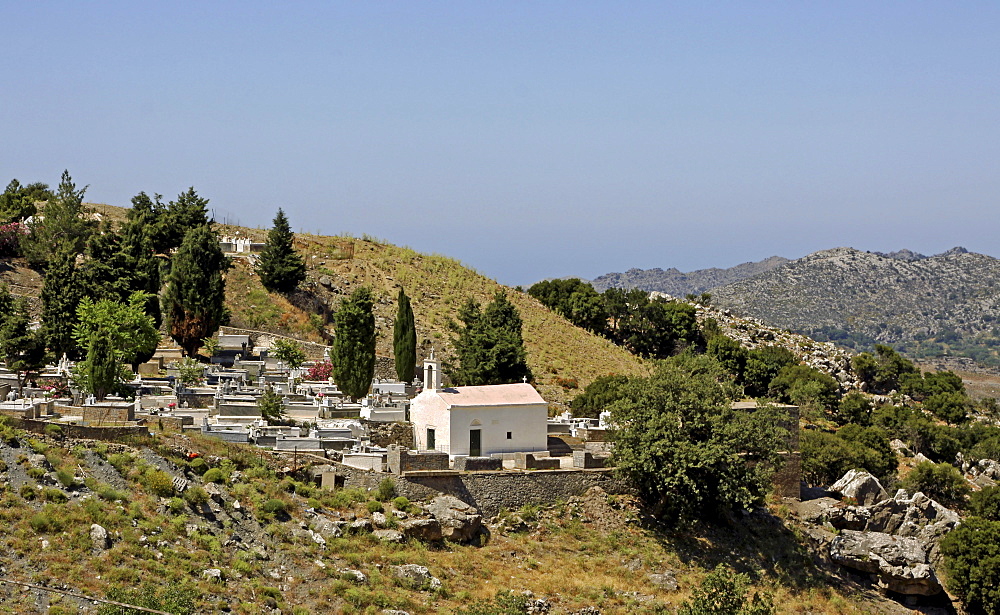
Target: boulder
901,448
327,528
900,564
212,574
416,576
861,486
389,535
379,519
916,516
665,580
361,525
428,530
99,538
459,521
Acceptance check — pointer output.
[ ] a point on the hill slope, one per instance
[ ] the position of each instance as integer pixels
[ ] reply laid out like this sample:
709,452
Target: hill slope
923,305
558,352
678,284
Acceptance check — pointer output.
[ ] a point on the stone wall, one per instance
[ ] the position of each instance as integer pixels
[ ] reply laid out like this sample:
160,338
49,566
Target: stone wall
111,434
102,415
490,492
400,459
165,423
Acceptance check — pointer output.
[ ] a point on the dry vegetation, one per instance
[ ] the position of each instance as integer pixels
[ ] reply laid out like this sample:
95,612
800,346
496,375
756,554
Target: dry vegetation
590,551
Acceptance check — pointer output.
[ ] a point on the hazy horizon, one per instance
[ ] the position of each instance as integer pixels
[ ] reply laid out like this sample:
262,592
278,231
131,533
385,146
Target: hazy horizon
528,141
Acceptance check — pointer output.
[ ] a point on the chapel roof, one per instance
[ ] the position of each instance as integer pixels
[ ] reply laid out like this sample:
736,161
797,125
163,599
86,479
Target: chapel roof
490,395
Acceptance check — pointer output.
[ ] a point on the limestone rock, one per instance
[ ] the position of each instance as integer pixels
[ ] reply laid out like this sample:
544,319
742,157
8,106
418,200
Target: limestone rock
389,535
916,516
354,575
901,448
428,530
361,525
379,519
327,528
899,563
665,580
212,574
459,521
99,538
861,486
416,576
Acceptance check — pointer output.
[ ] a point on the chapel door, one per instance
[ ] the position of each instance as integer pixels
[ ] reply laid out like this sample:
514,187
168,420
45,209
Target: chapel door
475,443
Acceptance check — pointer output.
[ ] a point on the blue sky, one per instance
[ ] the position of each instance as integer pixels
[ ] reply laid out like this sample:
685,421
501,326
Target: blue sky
528,139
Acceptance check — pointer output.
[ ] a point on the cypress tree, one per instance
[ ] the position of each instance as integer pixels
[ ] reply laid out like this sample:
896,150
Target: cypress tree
187,213
194,299
353,350
61,294
281,269
101,370
404,339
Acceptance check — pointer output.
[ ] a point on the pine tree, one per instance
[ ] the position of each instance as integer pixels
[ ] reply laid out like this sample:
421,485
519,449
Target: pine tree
404,339
490,347
63,225
15,203
281,269
61,294
194,298
353,350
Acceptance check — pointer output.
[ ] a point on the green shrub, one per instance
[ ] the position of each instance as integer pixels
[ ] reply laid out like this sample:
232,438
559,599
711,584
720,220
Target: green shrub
724,592
51,494
275,506
198,466
195,496
504,603
36,473
46,520
176,505
385,490
158,482
65,478
986,503
53,430
109,493
375,506
401,503
940,481
28,492
972,559
214,476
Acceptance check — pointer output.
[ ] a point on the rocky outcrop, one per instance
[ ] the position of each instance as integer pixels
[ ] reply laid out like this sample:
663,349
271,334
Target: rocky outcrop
917,516
899,564
459,521
860,486
418,577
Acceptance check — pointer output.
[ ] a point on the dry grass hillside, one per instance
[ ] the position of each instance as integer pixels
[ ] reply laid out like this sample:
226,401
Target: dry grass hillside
563,358
558,352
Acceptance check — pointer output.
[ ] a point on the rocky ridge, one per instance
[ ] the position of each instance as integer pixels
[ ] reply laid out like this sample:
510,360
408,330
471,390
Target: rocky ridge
675,282
753,333
856,296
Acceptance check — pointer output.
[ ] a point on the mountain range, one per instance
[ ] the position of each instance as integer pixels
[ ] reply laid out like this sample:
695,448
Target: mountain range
944,304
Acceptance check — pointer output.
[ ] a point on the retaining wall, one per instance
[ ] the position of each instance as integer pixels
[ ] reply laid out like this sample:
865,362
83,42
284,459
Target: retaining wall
491,492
